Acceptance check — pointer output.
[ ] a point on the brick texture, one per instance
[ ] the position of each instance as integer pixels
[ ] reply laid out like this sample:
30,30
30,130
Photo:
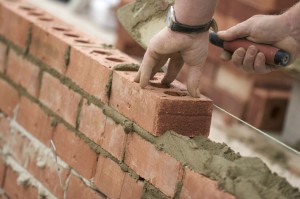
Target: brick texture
9,98
114,138
38,124
2,172
3,49
109,177
4,131
198,186
77,189
89,73
157,167
16,28
59,98
75,152
28,78
92,121
163,108
131,188
15,191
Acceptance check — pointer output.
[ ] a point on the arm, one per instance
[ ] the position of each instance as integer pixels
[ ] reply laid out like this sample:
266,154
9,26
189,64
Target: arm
278,30
182,48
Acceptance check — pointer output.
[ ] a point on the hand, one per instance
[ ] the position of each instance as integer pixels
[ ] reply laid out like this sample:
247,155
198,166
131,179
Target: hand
189,49
267,29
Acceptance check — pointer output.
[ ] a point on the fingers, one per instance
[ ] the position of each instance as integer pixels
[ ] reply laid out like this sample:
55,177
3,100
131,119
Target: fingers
174,67
151,58
193,81
226,55
238,31
248,64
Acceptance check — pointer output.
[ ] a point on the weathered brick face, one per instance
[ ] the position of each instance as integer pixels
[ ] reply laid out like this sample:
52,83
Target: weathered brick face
74,124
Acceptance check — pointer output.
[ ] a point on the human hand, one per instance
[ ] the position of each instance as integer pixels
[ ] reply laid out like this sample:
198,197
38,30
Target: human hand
266,29
189,49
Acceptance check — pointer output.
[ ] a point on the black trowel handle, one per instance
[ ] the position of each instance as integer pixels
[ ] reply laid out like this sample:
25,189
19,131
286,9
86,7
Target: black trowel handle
274,56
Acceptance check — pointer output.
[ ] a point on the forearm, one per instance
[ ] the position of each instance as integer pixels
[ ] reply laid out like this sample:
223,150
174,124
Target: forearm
194,12
292,19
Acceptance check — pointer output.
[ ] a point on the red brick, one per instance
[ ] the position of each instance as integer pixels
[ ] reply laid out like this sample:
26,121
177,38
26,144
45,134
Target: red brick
20,148
109,177
199,186
131,188
28,78
2,172
15,191
4,131
267,108
9,98
59,98
157,167
3,49
38,124
77,189
92,121
75,152
48,48
114,138
88,73
16,28
158,109
45,170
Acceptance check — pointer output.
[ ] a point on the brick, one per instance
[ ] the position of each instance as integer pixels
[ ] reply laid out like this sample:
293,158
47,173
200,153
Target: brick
59,98
38,124
109,177
16,28
20,148
44,168
131,188
89,73
267,109
9,98
163,108
15,191
199,186
92,121
75,152
2,172
157,167
3,49
77,189
48,48
28,78
114,138
4,131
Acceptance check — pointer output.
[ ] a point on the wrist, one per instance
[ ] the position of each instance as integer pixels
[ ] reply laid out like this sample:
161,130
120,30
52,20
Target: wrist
194,12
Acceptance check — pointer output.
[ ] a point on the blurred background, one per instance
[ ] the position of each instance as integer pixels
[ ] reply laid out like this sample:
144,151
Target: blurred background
268,102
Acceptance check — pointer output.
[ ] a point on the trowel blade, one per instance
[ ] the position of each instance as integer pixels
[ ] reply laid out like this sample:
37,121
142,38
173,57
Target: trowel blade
142,19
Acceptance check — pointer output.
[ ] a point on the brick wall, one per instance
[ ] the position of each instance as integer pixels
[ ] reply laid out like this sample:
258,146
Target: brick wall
73,124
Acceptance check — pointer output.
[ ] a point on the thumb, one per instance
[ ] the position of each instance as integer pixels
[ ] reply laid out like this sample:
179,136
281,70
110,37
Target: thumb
238,31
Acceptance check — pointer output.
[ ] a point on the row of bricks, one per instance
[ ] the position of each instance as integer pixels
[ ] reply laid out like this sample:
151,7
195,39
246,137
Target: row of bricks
76,188
156,108
157,167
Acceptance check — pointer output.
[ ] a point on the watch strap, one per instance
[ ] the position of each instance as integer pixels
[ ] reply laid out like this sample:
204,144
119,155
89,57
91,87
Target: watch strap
179,27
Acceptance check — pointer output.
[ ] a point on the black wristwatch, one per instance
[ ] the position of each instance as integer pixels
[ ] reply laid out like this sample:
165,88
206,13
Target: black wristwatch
179,27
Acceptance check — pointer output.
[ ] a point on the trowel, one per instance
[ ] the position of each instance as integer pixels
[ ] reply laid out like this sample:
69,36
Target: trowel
144,18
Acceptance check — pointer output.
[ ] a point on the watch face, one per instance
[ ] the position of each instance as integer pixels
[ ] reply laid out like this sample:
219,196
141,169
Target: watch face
169,19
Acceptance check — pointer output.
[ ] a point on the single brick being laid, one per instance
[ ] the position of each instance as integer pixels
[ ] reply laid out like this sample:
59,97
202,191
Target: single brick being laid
158,108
